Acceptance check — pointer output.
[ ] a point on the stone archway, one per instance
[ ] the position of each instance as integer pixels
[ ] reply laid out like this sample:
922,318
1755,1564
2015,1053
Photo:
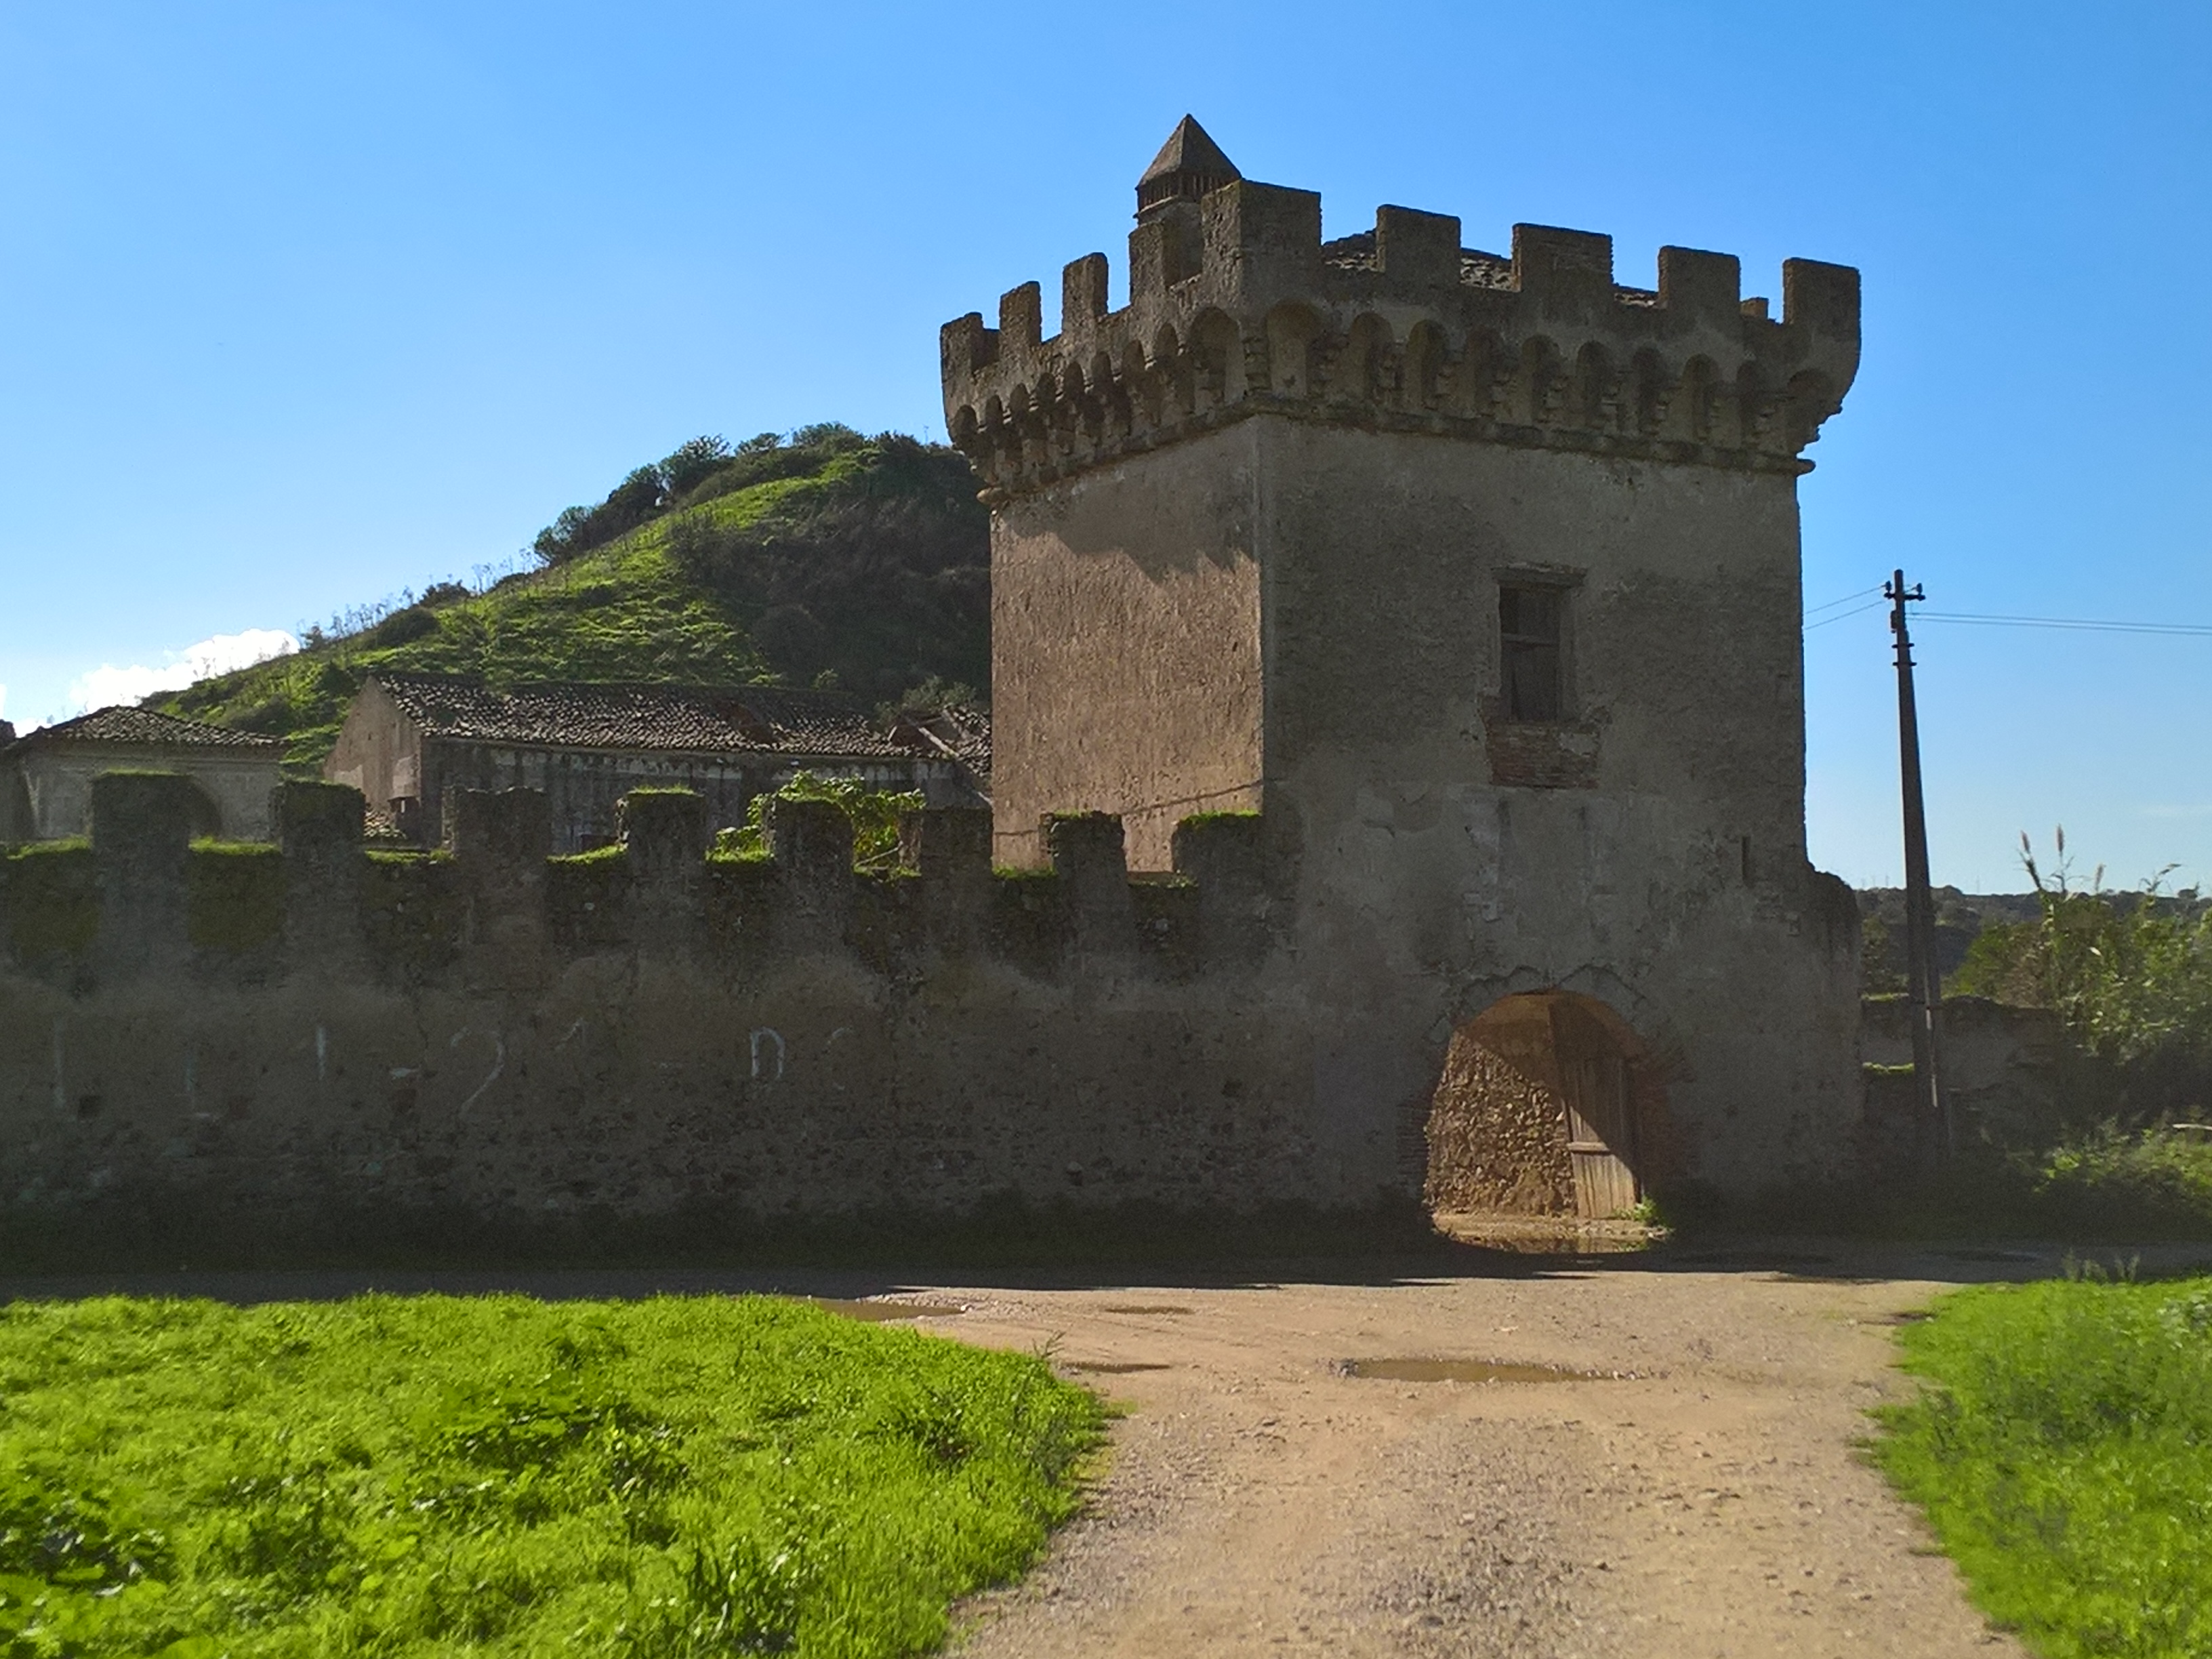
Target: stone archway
205,817
1548,1106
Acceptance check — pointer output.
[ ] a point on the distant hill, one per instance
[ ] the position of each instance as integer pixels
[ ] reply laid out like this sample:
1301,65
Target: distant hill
832,559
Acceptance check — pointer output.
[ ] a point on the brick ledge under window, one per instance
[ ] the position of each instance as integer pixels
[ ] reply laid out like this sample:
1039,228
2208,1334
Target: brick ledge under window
1541,754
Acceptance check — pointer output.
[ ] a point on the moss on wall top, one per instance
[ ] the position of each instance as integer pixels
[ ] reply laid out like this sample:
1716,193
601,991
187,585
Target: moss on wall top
51,897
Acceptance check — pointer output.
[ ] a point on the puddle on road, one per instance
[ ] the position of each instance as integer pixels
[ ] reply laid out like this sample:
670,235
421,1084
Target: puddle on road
882,1313
1419,1369
1143,1307
1116,1367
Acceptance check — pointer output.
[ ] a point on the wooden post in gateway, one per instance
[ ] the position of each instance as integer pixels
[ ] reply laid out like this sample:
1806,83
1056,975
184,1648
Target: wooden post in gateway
1923,984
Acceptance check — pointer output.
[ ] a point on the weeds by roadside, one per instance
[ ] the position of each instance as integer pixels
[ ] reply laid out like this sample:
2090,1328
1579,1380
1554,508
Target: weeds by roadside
2063,1453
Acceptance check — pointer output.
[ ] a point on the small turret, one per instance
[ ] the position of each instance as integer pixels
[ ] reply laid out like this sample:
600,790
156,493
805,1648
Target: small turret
1189,165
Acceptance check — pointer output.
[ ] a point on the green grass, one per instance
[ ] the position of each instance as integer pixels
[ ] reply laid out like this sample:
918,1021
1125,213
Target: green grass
2062,1451
446,1476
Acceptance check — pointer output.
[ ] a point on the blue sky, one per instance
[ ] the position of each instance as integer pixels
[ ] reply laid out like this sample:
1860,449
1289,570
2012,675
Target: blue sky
301,305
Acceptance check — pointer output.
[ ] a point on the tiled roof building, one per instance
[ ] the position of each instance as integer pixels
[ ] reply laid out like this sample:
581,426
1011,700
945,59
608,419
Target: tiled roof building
411,739
46,775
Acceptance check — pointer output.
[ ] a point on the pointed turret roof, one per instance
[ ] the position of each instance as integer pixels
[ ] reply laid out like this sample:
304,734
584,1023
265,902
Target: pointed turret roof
1188,165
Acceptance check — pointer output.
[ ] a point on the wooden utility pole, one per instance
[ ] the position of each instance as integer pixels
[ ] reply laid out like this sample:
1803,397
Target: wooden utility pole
1925,983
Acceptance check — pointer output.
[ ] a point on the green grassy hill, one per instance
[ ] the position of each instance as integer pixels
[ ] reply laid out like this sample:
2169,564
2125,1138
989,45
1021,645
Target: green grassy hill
835,559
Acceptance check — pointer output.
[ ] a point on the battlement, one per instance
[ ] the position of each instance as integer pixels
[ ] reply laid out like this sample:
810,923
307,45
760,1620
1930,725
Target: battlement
143,901
1237,307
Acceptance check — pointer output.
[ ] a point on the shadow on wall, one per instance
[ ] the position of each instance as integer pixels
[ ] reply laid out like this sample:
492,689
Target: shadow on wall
1549,1104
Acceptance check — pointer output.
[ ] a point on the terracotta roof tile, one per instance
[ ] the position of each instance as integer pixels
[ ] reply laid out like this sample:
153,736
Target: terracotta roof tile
743,719
123,723
962,732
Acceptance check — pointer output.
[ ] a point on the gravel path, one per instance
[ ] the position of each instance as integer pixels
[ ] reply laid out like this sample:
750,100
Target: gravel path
1708,1503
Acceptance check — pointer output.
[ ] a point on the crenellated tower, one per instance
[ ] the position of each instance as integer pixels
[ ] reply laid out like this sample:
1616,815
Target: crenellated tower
1476,574
1237,307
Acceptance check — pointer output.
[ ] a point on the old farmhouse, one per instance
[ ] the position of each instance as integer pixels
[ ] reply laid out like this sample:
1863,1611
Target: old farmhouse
46,777
410,742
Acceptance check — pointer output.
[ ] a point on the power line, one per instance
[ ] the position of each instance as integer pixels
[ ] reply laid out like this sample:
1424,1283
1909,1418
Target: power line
1846,600
1873,604
1975,619
2085,623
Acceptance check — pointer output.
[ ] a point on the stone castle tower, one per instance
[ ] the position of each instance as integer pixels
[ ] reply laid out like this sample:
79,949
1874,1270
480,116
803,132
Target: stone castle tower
1477,576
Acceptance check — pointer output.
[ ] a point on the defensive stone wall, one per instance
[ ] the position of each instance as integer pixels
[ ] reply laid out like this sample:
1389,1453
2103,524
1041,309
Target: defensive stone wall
2006,1074
276,1031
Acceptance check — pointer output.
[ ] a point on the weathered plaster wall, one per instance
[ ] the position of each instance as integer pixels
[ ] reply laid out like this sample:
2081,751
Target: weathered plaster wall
56,784
582,790
1673,889
378,750
1125,662
310,1028
2008,1074
1419,881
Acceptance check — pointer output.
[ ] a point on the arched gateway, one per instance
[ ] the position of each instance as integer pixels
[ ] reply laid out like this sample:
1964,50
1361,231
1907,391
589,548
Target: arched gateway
1549,1104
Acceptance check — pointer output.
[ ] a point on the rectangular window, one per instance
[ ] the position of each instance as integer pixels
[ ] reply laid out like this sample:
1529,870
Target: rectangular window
1530,628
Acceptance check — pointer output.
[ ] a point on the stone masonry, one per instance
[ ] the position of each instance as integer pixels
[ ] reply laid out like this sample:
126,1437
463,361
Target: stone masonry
1476,576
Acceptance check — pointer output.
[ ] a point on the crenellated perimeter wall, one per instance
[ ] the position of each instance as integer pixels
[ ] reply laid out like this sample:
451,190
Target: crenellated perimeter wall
271,1033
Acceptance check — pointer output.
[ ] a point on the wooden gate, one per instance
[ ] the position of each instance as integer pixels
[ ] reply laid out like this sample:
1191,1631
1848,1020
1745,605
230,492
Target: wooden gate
1600,1128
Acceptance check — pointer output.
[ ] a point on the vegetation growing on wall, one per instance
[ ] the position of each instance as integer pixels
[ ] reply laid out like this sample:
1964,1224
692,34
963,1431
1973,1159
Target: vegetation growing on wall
832,559
874,812
2063,1451
430,1475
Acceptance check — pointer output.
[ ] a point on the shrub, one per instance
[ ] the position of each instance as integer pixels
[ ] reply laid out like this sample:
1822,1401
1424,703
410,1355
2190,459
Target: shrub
401,627
2129,973
697,470
881,573
875,815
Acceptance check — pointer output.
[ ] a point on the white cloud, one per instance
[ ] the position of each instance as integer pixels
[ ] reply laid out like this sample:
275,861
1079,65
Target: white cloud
218,654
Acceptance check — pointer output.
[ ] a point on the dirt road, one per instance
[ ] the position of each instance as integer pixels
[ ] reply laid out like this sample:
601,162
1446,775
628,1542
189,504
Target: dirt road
1705,1502
1697,1493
